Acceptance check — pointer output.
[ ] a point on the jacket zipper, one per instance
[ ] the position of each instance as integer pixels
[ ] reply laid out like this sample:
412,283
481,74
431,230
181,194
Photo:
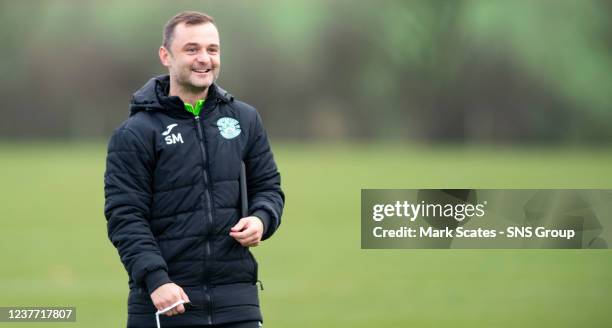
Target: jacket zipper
208,213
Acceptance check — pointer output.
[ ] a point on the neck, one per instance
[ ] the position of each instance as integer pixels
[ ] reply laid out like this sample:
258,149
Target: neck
187,95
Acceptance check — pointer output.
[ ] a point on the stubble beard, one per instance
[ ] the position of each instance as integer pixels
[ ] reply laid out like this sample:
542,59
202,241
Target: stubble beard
186,82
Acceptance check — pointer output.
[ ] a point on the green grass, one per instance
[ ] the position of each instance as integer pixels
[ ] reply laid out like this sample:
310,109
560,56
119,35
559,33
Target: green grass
56,253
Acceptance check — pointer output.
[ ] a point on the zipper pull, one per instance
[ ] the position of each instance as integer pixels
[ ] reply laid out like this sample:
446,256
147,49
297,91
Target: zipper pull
260,284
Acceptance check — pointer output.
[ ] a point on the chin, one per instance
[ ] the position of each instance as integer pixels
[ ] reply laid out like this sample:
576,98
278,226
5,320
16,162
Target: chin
200,84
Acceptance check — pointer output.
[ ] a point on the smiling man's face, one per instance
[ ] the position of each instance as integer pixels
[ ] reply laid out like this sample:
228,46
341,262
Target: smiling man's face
194,57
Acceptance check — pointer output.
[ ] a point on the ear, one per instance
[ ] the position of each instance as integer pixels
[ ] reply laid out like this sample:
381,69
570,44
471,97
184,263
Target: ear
164,56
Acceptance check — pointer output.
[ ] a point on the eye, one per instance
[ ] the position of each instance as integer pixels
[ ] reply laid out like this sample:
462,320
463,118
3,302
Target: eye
213,50
191,50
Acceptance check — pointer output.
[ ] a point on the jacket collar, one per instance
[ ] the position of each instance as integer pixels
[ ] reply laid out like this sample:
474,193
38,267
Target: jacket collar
154,96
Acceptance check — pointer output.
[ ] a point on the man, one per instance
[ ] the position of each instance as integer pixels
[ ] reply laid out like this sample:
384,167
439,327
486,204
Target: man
172,188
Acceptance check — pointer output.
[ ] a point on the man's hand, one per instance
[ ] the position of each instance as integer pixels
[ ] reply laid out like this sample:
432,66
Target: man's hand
168,294
248,231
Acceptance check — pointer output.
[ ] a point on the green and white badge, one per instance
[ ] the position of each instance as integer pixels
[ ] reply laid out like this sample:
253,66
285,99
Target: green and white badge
228,127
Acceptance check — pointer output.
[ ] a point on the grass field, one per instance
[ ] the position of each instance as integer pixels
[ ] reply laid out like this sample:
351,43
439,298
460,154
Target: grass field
56,252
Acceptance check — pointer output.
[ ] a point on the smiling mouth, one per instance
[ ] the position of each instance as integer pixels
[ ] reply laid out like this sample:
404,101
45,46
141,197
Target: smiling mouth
201,70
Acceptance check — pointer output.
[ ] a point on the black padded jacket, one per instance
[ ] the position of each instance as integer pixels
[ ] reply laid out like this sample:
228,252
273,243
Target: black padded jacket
172,193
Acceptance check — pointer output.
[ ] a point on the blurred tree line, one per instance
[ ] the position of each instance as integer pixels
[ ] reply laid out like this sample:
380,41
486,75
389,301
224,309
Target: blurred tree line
430,70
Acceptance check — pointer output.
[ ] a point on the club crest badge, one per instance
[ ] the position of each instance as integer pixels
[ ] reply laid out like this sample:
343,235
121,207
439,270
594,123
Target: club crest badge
228,127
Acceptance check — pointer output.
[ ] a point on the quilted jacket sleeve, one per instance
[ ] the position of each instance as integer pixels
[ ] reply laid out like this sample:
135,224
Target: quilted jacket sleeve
266,199
128,194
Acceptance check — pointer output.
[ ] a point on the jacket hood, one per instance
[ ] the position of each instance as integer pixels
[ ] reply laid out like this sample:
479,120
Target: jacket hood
154,96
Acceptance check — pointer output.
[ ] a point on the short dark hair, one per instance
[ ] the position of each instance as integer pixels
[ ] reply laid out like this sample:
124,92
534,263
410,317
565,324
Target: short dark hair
187,17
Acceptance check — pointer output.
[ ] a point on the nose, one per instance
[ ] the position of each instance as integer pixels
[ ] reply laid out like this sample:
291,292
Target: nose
203,57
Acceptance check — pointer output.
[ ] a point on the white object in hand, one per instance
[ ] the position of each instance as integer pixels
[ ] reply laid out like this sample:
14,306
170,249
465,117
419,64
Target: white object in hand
162,311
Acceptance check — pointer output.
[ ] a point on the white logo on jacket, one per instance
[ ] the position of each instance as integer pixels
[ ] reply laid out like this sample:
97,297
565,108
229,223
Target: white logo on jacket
172,138
228,127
